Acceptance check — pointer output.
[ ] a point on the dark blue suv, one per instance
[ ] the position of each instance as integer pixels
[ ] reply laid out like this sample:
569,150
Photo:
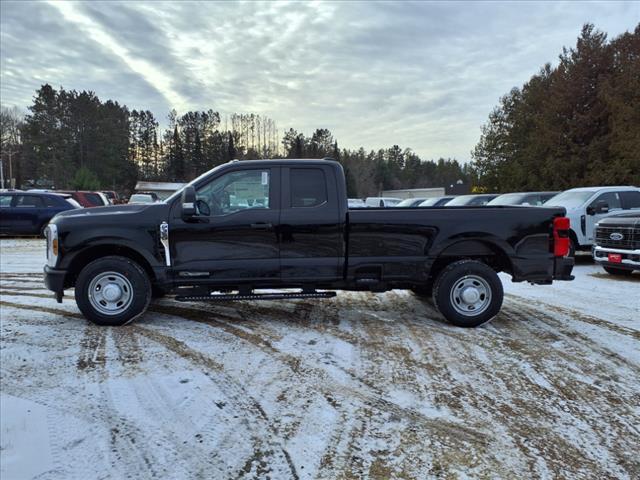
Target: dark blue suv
28,213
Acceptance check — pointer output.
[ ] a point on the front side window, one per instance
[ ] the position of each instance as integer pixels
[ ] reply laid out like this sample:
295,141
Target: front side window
612,199
29,201
233,192
5,200
308,187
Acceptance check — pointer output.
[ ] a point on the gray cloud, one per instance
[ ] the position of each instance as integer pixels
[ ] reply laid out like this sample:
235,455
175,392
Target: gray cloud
421,75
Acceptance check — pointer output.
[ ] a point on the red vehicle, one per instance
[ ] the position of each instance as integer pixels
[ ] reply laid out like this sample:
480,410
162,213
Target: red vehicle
113,197
86,199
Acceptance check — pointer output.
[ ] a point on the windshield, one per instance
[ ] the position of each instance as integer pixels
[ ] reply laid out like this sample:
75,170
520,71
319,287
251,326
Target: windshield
141,198
177,193
460,201
430,202
507,199
569,199
409,202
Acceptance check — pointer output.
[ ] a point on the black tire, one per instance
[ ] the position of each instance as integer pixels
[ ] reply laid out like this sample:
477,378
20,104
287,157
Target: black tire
618,271
481,280
572,248
136,286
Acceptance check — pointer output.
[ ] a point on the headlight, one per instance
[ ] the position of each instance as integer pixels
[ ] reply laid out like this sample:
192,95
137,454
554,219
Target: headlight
51,232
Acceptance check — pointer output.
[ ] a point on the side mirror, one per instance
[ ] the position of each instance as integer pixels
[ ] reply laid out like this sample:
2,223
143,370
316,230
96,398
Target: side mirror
598,208
188,202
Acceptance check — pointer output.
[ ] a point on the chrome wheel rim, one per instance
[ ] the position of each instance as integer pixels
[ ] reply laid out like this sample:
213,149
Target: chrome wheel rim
470,295
110,293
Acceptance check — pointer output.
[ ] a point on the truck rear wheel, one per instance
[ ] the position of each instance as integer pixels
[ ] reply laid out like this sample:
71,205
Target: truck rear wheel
112,291
468,293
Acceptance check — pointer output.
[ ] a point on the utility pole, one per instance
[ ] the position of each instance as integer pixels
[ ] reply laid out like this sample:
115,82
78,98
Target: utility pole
11,183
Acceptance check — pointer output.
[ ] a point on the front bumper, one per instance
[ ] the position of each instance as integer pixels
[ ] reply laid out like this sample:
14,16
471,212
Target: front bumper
54,281
562,267
630,258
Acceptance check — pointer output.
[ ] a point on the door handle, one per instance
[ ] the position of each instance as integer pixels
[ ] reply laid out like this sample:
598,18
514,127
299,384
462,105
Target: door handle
261,226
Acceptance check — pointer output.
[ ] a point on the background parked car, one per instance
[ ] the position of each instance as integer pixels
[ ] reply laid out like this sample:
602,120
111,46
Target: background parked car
436,201
87,199
114,198
28,213
470,200
356,203
382,201
411,202
153,195
141,198
617,243
587,206
523,198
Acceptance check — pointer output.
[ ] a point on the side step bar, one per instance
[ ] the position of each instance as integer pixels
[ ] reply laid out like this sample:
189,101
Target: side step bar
226,297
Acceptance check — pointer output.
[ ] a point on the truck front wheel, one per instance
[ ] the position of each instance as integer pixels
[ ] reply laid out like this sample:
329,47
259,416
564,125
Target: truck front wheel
468,293
112,291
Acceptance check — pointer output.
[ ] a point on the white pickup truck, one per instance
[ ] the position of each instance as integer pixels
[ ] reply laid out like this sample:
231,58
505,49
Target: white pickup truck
587,206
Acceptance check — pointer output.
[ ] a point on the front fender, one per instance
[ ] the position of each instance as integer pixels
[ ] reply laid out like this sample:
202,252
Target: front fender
143,241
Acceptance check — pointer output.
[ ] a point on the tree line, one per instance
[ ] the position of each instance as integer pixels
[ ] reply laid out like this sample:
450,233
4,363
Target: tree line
574,124
72,139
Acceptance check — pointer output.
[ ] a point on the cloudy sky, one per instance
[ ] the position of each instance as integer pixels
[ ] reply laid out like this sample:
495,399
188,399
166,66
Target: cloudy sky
420,75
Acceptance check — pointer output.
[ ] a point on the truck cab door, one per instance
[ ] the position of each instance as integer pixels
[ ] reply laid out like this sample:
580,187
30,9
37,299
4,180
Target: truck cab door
232,239
311,228
602,206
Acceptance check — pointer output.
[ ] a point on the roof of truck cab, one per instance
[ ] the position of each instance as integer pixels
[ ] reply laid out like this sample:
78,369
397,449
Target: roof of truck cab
286,161
598,189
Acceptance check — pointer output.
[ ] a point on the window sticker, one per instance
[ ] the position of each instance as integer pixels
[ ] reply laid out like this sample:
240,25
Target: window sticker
265,178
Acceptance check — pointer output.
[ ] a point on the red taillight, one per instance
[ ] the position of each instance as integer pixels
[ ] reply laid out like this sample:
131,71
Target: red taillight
561,240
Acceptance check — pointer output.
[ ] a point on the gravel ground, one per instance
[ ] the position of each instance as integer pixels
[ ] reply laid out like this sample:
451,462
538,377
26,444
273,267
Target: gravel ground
361,386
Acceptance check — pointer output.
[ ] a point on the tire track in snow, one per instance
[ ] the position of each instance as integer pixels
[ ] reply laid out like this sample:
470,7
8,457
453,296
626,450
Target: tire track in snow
258,421
581,317
313,375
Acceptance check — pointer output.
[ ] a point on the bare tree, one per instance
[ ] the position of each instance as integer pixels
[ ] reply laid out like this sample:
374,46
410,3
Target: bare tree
10,122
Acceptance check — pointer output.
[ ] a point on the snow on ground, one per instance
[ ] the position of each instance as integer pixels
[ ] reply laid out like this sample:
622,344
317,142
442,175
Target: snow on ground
361,386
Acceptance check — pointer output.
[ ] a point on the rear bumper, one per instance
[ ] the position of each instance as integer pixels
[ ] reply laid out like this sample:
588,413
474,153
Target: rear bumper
630,259
562,268
54,281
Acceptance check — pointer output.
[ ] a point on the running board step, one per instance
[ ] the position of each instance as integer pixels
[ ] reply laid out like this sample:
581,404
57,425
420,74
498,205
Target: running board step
224,297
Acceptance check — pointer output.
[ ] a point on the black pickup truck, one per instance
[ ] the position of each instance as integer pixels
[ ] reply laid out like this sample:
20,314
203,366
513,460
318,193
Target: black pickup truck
284,225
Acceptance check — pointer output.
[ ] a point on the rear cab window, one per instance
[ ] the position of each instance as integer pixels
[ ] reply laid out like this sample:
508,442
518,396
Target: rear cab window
630,199
308,187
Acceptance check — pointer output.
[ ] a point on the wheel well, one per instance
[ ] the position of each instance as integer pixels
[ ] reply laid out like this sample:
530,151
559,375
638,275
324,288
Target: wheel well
485,252
93,253
574,236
